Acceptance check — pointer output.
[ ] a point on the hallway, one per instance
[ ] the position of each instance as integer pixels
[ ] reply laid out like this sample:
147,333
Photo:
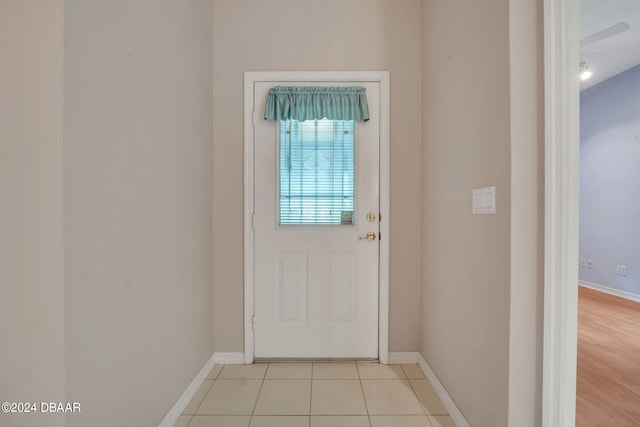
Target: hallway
122,163
362,394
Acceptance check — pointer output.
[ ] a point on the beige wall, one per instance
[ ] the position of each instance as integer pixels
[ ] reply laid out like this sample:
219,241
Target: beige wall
31,257
466,144
482,274
137,205
294,35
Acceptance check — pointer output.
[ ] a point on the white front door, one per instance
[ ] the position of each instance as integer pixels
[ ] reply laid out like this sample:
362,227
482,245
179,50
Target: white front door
316,197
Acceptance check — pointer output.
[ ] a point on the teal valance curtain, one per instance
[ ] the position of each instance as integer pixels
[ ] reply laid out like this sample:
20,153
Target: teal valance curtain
317,103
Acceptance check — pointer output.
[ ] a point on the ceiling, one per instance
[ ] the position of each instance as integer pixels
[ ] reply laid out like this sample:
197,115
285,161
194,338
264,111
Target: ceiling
615,54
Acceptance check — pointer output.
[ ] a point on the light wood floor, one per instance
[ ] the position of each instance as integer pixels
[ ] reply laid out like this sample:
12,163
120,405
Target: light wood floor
608,390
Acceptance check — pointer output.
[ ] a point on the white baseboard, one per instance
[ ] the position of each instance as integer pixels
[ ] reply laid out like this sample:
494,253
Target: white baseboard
216,359
454,413
175,412
611,291
229,358
415,357
403,358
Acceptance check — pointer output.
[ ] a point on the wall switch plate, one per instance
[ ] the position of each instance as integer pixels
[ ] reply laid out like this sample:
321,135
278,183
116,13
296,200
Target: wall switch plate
589,264
621,270
484,200
583,263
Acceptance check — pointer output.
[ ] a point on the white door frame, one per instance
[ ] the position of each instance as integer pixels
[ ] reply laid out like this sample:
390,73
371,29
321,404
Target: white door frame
562,174
252,77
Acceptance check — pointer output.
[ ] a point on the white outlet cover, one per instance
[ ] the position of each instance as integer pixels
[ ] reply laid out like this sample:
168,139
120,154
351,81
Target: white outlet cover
483,200
621,270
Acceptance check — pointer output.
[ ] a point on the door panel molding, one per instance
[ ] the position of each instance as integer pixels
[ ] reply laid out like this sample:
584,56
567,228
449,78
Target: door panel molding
250,79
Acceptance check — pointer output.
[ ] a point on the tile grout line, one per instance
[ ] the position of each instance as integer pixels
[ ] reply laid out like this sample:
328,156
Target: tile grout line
413,389
311,394
416,395
363,397
195,411
259,392
429,415
205,395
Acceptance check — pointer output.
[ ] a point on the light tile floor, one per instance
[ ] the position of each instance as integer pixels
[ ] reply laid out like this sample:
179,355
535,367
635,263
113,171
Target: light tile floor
353,394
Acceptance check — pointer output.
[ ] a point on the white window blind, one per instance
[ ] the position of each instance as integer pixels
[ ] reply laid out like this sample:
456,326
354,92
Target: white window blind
317,172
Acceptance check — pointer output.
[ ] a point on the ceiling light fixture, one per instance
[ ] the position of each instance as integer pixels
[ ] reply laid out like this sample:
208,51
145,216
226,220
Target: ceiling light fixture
585,73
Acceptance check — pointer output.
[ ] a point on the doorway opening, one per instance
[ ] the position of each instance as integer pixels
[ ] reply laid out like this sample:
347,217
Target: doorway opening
292,270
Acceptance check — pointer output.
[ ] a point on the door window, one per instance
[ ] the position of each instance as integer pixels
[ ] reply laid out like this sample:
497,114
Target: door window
316,172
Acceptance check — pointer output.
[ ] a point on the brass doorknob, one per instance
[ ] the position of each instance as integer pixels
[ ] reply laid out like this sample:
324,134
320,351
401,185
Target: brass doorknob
371,236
